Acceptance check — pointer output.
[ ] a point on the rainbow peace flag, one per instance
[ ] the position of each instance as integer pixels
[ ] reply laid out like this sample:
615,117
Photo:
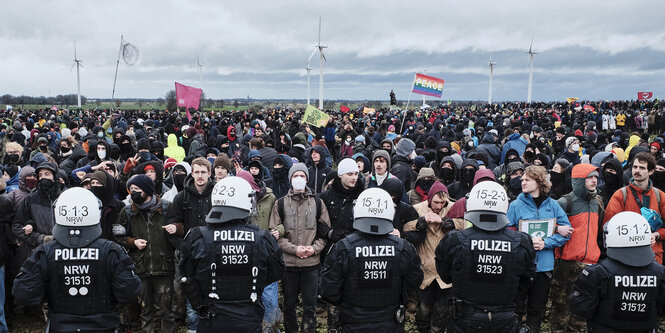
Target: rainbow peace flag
427,85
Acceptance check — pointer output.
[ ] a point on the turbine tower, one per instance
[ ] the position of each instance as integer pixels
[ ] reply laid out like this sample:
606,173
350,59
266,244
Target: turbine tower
199,65
491,64
77,62
531,52
309,71
322,58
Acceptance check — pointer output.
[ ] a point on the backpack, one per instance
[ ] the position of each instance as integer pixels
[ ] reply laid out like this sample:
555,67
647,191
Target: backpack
280,208
625,193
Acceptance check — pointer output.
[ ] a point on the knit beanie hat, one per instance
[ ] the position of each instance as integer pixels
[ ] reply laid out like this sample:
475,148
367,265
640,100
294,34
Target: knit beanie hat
11,170
405,147
223,161
100,176
143,144
143,182
298,167
347,165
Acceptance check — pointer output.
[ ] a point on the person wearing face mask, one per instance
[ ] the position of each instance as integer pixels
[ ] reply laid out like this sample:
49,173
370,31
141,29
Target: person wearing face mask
13,152
447,171
149,241
460,188
178,175
611,173
424,181
560,176
658,177
401,163
42,147
126,148
144,155
346,149
301,219
572,149
280,175
33,223
514,180
104,186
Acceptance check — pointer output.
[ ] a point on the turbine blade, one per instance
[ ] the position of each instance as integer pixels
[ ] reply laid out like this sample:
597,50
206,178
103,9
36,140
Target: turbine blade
70,68
310,57
324,56
319,30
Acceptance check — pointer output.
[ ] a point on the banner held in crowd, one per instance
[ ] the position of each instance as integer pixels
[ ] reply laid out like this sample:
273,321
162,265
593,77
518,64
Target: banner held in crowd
427,85
367,110
315,117
642,95
187,96
571,99
344,109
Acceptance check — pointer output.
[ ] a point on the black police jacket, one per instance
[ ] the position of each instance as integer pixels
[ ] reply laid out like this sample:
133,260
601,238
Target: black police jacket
226,266
81,285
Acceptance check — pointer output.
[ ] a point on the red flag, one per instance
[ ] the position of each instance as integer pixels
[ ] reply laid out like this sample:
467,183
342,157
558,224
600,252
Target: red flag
344,109
189,97
589,108
642,95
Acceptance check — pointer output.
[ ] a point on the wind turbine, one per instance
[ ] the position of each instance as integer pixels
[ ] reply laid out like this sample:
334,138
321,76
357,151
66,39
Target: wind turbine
77,62
491,64
531,52
199,65
322,58
309,70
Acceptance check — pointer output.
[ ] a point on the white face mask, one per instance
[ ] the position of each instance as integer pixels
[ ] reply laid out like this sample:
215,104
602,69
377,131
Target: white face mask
299,183
413,155
575,147
101,154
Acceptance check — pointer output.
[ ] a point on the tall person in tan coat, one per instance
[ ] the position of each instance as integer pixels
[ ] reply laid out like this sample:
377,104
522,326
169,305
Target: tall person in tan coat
303,219
425,234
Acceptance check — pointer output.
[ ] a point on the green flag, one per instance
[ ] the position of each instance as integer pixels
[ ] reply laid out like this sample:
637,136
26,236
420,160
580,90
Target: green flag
450,102
315,117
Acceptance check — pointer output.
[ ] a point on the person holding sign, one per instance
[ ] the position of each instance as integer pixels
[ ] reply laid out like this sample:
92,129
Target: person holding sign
536,213
369,273
487,264
81,276
624,292
228,262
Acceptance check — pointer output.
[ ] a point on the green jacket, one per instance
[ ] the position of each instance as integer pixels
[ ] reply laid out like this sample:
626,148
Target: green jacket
158,257
263,208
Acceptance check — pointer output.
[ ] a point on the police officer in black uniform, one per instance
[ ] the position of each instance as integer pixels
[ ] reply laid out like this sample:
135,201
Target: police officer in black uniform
624,292
368,273
81,276
487,264
227,263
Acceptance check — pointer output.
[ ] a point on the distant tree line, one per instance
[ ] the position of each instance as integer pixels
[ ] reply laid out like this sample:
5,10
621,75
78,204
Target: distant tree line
70,99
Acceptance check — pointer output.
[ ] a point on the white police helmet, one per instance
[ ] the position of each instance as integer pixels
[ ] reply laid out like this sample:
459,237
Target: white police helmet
628,239
231,200
486,206
77,215
373,212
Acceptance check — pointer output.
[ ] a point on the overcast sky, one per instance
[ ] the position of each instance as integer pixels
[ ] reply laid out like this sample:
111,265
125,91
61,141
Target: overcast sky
587,49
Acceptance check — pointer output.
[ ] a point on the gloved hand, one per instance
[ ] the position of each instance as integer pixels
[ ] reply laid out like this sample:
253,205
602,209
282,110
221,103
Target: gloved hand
337,234
448,224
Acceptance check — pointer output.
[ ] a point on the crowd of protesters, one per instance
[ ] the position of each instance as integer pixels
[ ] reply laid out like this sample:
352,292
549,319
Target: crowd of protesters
154,172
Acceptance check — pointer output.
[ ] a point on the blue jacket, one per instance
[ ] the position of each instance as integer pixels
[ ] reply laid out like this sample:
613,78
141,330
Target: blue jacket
515,141
524,208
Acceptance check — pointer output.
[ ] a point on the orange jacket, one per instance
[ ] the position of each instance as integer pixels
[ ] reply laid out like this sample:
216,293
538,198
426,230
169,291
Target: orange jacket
583,216
616,205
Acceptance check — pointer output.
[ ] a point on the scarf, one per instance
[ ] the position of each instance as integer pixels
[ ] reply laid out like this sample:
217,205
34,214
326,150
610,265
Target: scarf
148,204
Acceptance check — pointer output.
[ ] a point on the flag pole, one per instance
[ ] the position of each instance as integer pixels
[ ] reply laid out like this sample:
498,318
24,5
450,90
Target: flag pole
406,109
117,63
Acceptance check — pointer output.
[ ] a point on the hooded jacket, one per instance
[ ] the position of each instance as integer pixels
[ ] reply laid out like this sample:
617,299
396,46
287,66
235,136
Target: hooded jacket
280,177
173,150
460,188
488,147
584,216
427,236
319,171
404,212
401,168
111,206
170,194
524,208
611,182
339,204
459,207
515,141
189,207
426,178
16,197
453,176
